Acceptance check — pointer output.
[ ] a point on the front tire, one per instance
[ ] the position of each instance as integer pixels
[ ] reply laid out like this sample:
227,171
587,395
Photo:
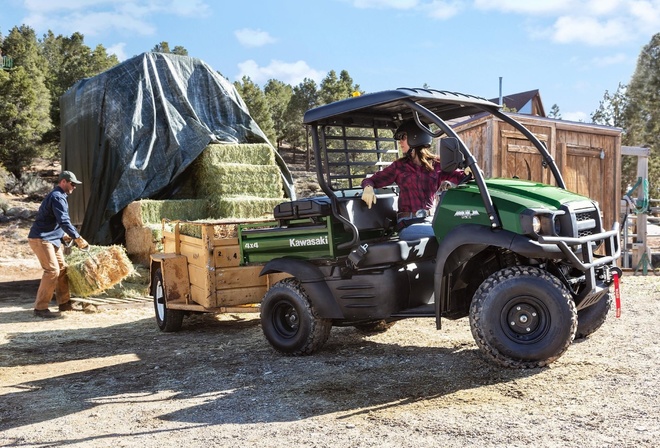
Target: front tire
523,317
288,320
168,320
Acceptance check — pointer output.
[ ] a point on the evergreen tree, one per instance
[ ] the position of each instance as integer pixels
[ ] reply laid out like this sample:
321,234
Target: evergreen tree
257,105
278,96
334,89
305,96
25,99
164,47
611,107
554,112
642,109
69,60
23,118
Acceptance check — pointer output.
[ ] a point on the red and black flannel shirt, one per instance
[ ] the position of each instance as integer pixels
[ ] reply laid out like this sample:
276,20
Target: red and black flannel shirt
417,184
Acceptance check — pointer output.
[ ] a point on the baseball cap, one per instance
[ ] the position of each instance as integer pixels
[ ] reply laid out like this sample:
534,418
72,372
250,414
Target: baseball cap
68,175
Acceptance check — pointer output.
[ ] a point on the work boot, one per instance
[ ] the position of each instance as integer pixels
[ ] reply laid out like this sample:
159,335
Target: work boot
68,306
47,314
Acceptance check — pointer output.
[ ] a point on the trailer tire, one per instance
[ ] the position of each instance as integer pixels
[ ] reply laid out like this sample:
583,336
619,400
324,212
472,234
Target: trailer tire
523,317
593,317
288,320
168,320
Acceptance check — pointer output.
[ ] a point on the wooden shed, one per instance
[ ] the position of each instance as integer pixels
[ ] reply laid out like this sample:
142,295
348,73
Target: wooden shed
588,155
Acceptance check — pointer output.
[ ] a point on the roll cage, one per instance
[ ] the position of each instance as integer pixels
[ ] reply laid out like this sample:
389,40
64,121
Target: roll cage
353,138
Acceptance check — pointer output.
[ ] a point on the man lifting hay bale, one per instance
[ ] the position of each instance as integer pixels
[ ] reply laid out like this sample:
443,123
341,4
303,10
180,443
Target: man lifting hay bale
97,268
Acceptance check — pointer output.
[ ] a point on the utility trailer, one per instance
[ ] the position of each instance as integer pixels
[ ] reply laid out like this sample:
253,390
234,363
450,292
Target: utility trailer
528,263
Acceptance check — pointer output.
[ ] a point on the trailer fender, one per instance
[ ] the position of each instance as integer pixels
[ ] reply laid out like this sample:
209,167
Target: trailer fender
312,281
174,269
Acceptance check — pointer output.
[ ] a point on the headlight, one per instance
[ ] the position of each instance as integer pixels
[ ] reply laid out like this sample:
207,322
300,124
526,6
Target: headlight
541,222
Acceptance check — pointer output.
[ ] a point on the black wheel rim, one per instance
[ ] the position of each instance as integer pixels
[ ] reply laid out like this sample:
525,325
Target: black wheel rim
525,319
286,320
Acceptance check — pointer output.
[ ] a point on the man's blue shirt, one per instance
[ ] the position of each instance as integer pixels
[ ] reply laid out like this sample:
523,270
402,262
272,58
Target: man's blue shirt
52,220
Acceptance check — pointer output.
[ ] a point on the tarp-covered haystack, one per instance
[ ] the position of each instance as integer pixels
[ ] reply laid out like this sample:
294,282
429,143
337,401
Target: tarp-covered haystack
134,131
101,267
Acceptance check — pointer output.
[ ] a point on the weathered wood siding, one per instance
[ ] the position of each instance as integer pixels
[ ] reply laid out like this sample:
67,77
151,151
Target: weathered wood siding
588,156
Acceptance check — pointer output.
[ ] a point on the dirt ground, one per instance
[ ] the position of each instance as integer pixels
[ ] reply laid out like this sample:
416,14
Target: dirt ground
110,378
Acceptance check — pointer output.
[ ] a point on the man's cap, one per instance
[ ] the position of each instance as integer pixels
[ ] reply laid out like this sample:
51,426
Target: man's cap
68,175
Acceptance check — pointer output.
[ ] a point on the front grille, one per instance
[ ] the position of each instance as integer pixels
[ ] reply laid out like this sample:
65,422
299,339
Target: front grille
584,217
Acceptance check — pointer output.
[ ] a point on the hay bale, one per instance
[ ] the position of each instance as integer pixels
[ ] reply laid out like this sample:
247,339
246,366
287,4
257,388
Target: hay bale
143,241
101,268
220,231
149,211
246,153
243,207
234,179
132,215
139,240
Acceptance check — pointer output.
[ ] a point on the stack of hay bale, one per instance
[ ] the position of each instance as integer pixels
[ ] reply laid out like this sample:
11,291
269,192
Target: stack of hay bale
240,181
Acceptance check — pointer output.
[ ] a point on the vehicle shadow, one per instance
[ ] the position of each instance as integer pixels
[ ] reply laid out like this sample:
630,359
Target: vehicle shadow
225,372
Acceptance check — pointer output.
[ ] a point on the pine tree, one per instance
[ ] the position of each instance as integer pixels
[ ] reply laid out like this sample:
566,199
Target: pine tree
257,105
642,110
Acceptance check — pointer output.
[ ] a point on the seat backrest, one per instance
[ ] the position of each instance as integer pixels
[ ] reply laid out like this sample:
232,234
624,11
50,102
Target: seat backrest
382,214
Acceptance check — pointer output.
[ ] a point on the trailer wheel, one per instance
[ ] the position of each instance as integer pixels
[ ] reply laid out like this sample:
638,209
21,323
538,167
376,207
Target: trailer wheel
593,317
168,320
523,317
288,320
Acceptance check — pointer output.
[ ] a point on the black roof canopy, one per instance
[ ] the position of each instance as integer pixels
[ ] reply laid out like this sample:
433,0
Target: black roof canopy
392,106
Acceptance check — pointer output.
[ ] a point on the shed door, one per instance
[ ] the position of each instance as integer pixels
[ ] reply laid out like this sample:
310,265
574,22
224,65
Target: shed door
520,158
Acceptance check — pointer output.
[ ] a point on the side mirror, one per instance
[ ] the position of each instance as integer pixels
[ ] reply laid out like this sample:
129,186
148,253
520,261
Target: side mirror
451,157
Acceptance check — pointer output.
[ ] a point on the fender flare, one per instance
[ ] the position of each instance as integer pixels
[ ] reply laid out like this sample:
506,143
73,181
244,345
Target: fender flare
312,281
478,237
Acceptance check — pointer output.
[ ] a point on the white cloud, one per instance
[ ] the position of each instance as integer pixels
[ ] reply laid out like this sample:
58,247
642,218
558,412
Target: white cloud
524,6
253,38
385,4
118,50
292,73
591,22
443,10
93,17
576,116
588,30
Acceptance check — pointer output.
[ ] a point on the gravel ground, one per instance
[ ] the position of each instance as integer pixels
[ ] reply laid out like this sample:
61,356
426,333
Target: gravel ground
110,378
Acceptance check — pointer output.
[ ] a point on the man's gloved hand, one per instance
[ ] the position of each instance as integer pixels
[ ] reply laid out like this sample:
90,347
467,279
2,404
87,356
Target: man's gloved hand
66,239
81,243
368,196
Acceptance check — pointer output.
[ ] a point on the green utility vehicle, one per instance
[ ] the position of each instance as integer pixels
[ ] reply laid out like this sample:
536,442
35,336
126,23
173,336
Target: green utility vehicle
529,264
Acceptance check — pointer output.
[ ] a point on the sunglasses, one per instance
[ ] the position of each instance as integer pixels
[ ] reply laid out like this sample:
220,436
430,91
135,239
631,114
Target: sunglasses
400,136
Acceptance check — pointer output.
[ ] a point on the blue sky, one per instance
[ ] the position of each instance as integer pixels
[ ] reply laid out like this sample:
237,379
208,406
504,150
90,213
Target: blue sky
571,50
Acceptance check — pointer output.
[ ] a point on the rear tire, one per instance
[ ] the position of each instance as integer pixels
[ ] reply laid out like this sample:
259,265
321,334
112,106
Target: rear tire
168,320
288,320
523,317
593,317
